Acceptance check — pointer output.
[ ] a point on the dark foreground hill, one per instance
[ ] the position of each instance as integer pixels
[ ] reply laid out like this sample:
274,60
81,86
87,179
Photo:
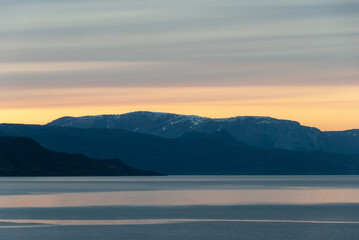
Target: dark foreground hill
192,153
24,157
257,131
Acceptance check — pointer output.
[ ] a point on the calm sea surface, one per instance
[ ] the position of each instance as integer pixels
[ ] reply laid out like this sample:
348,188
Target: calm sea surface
180,207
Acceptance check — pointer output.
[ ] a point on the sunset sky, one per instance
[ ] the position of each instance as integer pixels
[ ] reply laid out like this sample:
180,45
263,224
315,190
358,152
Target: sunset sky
295,60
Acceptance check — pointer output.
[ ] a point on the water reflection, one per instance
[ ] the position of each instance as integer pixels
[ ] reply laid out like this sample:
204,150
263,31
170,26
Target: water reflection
55,185
46,223
184,197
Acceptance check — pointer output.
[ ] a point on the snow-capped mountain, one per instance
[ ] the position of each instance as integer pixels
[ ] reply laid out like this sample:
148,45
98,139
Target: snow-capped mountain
259,131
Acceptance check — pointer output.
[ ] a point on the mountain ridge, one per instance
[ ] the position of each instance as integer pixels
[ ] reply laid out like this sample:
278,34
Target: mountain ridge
192,153
254,130
21,156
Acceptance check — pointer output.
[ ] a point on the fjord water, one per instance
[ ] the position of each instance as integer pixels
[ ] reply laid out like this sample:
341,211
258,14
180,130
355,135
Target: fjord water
180,207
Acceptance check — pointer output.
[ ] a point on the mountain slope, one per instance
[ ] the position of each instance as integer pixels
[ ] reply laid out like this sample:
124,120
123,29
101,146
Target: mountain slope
343,141
258,131
24,157
192,153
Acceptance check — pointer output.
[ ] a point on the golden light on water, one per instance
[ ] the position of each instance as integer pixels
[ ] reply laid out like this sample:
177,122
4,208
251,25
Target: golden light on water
185,198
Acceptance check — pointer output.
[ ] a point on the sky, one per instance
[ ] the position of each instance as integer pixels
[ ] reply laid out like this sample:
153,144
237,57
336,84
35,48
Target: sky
296,60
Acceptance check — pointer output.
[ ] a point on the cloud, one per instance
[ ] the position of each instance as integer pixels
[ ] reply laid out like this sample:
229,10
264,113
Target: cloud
144,44
184,33
33,75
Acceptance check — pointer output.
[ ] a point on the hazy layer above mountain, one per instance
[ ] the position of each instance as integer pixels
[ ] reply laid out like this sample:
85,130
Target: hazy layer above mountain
192,153
257,131
24,157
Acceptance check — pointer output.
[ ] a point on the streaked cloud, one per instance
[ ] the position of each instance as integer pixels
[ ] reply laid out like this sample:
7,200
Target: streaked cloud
46,67
103,56
173,73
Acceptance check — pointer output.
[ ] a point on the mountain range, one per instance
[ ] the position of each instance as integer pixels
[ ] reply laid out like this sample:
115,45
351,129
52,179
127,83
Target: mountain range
24,157
257,131
191,153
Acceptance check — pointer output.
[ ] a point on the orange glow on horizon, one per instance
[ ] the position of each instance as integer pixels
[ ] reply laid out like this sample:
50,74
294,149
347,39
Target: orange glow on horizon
327,108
